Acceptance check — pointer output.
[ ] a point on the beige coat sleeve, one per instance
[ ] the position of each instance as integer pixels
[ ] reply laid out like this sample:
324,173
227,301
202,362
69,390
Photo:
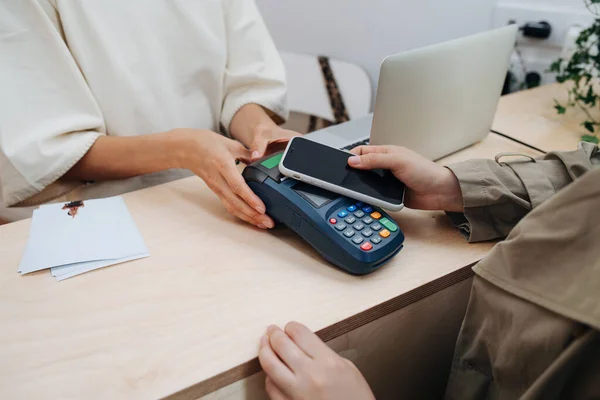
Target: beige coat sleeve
48,116
498,194
255,73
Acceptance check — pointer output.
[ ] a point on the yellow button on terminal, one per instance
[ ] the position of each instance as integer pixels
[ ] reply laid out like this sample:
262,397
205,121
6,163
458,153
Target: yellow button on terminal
385,233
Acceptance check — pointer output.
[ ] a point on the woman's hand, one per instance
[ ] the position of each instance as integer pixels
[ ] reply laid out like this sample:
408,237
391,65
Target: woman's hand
299,366
269,139
429,185
254,126
212,157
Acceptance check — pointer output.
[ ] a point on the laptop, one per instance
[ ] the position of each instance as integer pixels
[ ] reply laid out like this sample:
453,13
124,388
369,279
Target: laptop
435,100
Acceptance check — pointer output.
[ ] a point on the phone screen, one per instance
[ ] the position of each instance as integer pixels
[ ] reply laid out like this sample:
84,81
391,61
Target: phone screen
331,165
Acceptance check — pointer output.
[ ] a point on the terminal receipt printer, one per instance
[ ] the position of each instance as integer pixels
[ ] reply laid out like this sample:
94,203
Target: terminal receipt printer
355,237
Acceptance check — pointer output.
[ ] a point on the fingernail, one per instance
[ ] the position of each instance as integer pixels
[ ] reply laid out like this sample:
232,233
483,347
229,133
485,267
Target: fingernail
260,209
255,155
271,329
354,160
264,340
261,226
268,224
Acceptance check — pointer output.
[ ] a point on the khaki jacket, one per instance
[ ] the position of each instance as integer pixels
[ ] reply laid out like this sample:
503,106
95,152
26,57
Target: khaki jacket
532,327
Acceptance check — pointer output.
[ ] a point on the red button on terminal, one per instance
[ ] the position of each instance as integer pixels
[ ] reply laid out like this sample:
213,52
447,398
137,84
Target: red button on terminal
333,221
366,246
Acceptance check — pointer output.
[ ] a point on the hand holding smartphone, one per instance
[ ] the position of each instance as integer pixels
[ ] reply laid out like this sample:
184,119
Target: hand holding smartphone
327,167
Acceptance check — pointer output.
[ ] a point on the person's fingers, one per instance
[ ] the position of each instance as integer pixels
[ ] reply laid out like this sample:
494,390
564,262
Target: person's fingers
219,185
237,206
239,187
375,161
231,210
361,150
273,391
306,340
240,195
275,369
286,349
258,147
239,151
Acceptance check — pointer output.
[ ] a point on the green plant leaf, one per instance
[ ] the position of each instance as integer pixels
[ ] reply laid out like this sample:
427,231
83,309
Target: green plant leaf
584,36
556,66
591,139
580,71
589,125
589,99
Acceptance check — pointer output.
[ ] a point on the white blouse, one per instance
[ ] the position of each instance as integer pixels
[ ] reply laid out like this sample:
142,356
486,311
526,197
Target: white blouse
72,70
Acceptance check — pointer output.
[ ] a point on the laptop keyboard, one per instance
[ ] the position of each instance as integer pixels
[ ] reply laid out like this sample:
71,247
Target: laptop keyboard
353,145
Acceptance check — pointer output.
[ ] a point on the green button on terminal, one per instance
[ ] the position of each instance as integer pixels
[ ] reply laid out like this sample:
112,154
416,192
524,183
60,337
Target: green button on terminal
389,225
272,162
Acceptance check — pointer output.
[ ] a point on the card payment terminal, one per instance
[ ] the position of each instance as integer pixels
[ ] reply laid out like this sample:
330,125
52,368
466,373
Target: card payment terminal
354,236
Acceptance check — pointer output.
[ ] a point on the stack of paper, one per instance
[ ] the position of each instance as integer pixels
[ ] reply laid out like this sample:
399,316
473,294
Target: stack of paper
78,237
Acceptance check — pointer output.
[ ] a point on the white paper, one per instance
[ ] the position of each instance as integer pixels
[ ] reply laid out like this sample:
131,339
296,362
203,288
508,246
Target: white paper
69,271
100,231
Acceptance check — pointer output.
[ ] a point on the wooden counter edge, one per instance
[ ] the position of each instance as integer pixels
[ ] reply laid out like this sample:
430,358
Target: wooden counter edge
338,329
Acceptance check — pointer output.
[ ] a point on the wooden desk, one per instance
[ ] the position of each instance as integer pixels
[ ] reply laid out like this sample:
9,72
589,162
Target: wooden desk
187,320
529,116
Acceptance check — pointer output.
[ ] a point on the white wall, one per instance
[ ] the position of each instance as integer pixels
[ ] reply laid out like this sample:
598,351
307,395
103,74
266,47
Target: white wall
567,3
365,31
565,16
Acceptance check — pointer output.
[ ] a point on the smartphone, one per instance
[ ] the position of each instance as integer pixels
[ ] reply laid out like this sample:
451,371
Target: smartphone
327,167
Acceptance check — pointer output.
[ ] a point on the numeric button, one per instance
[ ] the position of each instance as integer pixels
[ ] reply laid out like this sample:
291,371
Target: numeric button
350,220
349,233
357,240
341,226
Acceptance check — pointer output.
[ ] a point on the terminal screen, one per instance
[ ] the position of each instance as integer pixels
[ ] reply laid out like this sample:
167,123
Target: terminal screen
316,196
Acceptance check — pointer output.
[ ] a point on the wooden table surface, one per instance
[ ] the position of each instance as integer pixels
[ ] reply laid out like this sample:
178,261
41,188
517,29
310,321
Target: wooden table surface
187,319
529,116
